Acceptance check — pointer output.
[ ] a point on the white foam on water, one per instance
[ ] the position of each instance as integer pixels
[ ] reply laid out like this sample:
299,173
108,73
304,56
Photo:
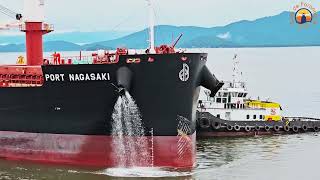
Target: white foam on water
146,172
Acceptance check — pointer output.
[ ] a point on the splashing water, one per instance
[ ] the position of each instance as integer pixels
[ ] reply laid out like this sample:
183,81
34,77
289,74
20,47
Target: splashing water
129,141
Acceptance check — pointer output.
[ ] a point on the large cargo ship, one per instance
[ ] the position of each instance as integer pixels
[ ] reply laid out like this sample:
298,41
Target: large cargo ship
62,112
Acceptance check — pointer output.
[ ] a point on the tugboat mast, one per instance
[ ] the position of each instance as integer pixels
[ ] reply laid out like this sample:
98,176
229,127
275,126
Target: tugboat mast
151,26
236,72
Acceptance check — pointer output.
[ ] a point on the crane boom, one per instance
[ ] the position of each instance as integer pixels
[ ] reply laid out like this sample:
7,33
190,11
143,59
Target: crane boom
10,13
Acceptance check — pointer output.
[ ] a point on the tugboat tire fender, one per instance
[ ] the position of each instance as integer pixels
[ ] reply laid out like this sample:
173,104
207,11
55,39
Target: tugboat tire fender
216,125
267,128
316,128
257,128
286,128
204,123
229,127
247,128
295,129
237,127
305,127
276,128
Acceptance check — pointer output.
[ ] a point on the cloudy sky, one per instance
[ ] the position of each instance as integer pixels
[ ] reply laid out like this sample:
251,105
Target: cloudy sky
131,15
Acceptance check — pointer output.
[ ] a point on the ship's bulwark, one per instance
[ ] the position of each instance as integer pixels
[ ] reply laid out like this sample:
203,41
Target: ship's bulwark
76,101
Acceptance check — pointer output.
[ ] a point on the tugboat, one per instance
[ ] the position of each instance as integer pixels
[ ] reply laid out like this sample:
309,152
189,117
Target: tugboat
232,113
61,112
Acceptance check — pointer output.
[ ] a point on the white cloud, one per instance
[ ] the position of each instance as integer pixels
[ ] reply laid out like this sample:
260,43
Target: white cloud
225,36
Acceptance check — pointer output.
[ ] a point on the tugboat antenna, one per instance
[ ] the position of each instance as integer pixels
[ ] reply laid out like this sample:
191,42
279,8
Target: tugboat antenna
151,26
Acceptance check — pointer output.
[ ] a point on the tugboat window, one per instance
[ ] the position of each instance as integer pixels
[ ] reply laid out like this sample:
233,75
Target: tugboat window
254,116
224,100
248,116
218,115
218,100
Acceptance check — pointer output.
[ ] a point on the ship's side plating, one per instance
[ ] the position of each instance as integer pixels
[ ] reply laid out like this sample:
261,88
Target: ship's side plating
68,119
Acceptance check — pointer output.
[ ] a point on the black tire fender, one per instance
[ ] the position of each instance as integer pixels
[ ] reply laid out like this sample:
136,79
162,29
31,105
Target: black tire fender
204,123
267,128
247,128
295,129
229,127
215,125
237,127
276,128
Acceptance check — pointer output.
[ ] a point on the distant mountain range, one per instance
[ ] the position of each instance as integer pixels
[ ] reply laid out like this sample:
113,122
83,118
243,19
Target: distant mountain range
264,32
73,37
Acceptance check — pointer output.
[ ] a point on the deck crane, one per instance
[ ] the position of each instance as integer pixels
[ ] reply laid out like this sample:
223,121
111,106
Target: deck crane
11,14
33,25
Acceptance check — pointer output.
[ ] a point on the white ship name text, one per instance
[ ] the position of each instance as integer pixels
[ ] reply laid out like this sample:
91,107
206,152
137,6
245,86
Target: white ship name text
78,77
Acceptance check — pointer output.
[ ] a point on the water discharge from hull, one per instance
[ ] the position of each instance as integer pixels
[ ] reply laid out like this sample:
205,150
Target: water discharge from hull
129,142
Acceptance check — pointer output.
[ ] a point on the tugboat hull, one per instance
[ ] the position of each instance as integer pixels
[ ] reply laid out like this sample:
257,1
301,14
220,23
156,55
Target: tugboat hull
209,126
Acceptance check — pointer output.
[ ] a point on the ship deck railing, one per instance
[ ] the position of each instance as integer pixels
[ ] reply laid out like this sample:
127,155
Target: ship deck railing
74,60
301,118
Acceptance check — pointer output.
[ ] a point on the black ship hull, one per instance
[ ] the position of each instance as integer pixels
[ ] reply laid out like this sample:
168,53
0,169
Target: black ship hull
69,118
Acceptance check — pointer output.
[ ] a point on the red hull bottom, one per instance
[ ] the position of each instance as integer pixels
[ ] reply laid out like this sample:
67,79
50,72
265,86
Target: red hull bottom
95,151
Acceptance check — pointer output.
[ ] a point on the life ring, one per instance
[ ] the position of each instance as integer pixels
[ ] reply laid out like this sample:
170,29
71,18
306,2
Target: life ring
295,129
229,127
276,128
204,123
286,128
216,125
247,128
237,127
305,127
316,128
267,128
